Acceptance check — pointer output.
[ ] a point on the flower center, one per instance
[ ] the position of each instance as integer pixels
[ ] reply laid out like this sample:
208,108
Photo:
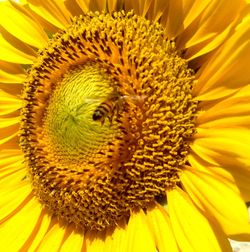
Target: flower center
77,121
108,119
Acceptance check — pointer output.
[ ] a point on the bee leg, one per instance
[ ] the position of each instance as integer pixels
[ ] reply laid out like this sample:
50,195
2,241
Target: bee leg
110,119
102,121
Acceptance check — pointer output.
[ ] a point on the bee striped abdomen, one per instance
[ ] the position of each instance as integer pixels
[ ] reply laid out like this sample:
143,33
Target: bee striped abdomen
105,109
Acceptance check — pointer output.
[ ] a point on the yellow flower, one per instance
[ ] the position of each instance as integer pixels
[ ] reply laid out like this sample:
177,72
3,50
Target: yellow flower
124,125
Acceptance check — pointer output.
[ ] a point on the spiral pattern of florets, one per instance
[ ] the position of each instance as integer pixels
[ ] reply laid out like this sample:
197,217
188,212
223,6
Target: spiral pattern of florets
93,172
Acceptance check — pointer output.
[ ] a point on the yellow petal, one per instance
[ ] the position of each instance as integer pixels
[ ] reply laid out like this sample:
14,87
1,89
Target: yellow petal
9,133
116,239
9,128
159,223
94,242
232,111
158,11
11,142
242,179
52,241
203,153
8,170
114,5
144,6
127,238
11,73
53,11
192,230
214,190
92,5
226,148
14,89
17,229
212,42
193,9
12,171
238,177
182,9
73,241
22,26
131,5
6,122
226,71
139,235
83,5
8,157
14,176
73,8
12,168
214,18
13,198
140,7
9,103
39,231
16,53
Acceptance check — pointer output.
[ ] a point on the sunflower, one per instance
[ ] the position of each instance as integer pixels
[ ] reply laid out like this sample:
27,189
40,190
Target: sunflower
124,125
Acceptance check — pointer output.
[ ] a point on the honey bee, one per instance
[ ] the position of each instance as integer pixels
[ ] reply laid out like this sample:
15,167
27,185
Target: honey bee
107,109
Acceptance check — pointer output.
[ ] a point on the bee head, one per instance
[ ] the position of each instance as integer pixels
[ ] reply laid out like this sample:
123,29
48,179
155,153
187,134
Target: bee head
97,115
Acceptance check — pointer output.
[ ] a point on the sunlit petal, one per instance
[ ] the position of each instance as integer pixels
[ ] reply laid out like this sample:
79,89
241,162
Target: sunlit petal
54,12
12,53
138,231
230,112
22,26
24,219
11,73
160,225
211,189
230,63
9,103
192,230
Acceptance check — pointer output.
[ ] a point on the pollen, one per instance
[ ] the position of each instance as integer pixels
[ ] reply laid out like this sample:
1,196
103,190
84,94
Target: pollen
108,119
